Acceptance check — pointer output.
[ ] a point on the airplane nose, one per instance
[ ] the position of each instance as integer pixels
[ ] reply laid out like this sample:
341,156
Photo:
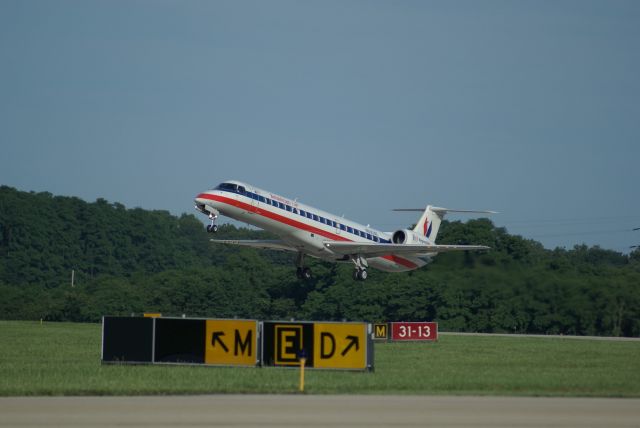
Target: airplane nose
200,199
206,205
202,202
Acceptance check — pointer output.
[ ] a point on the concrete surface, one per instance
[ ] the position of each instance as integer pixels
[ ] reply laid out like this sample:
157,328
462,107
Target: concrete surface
317,411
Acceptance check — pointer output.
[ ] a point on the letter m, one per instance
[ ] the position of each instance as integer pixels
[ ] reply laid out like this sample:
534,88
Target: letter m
243,345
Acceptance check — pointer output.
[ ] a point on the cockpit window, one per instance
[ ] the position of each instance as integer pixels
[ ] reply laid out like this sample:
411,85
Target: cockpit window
230,187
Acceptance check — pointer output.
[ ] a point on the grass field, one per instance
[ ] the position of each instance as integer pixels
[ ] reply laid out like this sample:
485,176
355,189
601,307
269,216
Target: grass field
64,359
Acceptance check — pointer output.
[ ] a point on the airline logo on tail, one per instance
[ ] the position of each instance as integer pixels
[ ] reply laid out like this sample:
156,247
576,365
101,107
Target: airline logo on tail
427,228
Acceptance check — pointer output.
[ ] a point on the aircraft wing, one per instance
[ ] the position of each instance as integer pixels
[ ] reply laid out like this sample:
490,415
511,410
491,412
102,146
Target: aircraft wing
266,244
376,250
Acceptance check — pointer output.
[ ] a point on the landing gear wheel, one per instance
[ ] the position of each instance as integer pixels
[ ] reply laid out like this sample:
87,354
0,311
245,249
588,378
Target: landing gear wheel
303,273
360,274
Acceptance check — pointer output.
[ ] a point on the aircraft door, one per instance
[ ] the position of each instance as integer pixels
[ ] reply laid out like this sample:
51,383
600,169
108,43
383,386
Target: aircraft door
337,226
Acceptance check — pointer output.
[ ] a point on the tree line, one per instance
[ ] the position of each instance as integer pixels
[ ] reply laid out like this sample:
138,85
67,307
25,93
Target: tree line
133,261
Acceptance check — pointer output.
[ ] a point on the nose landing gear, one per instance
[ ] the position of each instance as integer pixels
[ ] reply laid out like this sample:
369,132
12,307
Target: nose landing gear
213,227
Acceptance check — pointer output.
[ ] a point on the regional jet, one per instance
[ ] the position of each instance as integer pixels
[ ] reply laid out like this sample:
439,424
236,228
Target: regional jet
309,231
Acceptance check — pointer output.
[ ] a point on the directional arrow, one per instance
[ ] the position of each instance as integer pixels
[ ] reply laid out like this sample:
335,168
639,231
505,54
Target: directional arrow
354,340
216,337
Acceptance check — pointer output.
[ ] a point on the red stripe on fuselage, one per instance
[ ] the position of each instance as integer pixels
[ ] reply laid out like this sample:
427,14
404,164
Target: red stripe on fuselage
296,224
399,260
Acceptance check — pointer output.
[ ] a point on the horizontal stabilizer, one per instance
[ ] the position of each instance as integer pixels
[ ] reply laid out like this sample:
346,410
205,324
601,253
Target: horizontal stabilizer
443,211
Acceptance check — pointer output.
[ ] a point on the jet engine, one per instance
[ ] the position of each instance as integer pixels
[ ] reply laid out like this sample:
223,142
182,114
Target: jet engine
406,236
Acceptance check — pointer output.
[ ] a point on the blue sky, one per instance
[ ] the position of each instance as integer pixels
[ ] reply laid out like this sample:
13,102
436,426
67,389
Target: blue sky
528,108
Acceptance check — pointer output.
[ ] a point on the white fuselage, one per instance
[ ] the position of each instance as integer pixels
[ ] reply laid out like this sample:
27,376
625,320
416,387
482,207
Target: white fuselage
301,226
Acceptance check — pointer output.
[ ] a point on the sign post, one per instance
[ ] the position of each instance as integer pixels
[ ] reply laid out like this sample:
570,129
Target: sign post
302,363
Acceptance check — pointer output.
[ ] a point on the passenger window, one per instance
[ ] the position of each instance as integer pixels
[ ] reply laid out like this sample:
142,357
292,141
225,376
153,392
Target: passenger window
281,205
240,189
343,227
350,230
288,208
315,217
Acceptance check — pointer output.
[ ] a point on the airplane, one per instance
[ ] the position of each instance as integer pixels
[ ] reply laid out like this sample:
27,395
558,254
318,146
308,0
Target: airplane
309,231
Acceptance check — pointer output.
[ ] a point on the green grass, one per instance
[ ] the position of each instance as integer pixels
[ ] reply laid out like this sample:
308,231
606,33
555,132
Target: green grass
64,359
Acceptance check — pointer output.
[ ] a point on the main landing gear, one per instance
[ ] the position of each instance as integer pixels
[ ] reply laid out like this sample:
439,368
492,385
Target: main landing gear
213,227
360,274
302,272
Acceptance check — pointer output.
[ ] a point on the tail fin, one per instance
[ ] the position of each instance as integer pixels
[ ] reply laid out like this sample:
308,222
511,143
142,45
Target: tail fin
429,223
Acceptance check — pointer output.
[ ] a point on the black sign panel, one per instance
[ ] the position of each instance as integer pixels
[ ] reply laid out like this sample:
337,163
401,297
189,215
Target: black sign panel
126,339
180,340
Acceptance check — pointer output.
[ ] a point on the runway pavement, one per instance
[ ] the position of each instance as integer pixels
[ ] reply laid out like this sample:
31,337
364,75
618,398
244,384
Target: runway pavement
317,411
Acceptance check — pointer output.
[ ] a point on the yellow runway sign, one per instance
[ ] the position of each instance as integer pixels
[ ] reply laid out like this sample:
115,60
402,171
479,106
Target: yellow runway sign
340,346
231,342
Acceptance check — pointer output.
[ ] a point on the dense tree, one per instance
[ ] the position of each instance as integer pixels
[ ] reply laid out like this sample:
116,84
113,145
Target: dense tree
132,260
